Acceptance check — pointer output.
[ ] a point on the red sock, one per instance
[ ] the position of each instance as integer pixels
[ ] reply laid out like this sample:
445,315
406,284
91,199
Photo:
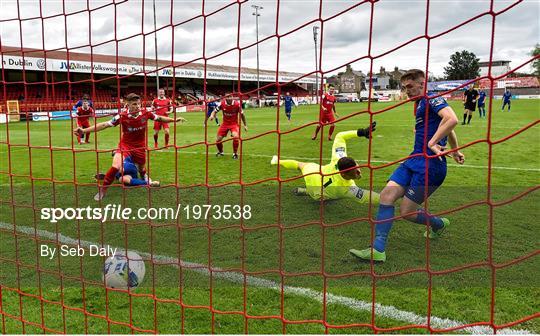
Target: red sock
331,131
155,139
166,139
79,138
316,131
109,176
219,146
87,137
235,145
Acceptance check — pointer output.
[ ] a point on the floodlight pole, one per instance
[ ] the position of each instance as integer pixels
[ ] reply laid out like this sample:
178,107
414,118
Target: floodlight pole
315,33
256,13
155,48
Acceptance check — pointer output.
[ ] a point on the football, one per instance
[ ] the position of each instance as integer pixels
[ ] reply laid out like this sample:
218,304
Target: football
123,272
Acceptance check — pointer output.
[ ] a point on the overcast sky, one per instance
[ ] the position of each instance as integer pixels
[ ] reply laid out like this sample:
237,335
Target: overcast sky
344,37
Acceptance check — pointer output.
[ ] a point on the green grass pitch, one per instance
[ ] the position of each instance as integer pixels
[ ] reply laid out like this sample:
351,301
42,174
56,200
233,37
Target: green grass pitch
289,240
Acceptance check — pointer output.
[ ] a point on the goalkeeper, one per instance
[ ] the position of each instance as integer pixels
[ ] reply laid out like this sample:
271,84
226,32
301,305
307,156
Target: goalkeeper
337,178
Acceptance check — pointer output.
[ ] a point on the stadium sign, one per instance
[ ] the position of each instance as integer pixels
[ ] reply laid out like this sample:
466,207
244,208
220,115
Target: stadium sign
446,85
40,64
56,115
106,112
18,63
96,67
189,73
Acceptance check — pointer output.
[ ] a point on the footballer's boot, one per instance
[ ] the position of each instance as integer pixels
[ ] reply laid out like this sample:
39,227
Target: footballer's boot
300,191
218,154
235,156
434,234
99,196
154,183
274,160
366,254
99,176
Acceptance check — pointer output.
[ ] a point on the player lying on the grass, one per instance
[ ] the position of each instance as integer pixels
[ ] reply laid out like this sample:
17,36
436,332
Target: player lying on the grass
83,113
327,114
134,123
231,110
129,175
162,107
339,175
409,179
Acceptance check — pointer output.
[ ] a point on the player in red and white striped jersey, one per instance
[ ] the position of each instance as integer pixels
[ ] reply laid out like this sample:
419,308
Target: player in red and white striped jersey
231,111
83,113
162,107
133,121
328,113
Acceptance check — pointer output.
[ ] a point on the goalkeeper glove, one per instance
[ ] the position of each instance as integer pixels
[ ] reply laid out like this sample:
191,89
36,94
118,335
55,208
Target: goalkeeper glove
366,132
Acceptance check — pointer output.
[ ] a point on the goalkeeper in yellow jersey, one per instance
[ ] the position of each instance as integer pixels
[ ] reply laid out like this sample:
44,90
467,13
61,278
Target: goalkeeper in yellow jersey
337,178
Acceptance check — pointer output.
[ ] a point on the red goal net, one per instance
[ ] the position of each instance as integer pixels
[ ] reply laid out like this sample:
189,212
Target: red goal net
240,253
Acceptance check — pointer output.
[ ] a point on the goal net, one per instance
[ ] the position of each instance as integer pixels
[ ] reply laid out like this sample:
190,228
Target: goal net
226,245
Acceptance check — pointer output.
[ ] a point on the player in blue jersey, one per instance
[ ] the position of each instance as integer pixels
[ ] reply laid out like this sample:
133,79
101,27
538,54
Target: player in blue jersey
288,102
482,104
409,179
211,107
81,101
507,96
129,175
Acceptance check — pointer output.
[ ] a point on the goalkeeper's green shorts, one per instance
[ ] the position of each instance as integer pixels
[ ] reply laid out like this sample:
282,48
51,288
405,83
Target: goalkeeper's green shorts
314,180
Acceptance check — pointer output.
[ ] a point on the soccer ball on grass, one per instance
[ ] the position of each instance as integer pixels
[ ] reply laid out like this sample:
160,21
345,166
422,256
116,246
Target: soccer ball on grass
123,272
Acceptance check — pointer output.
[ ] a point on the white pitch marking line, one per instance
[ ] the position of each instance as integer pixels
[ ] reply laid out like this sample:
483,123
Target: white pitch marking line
390,312
313,159
411,126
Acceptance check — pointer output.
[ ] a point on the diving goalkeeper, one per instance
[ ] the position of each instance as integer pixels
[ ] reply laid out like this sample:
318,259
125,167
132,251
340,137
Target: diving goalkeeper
337,178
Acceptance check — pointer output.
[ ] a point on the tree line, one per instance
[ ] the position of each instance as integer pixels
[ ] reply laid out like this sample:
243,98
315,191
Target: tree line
465,65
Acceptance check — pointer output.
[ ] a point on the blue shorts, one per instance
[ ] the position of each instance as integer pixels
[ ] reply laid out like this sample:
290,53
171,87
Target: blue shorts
129,169
481,105
411,175
506,103
208,114
288,110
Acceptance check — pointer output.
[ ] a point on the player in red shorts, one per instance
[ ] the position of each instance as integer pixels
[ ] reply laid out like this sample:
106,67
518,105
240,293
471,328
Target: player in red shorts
162,107
83,113
134,122
328,113
231,109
